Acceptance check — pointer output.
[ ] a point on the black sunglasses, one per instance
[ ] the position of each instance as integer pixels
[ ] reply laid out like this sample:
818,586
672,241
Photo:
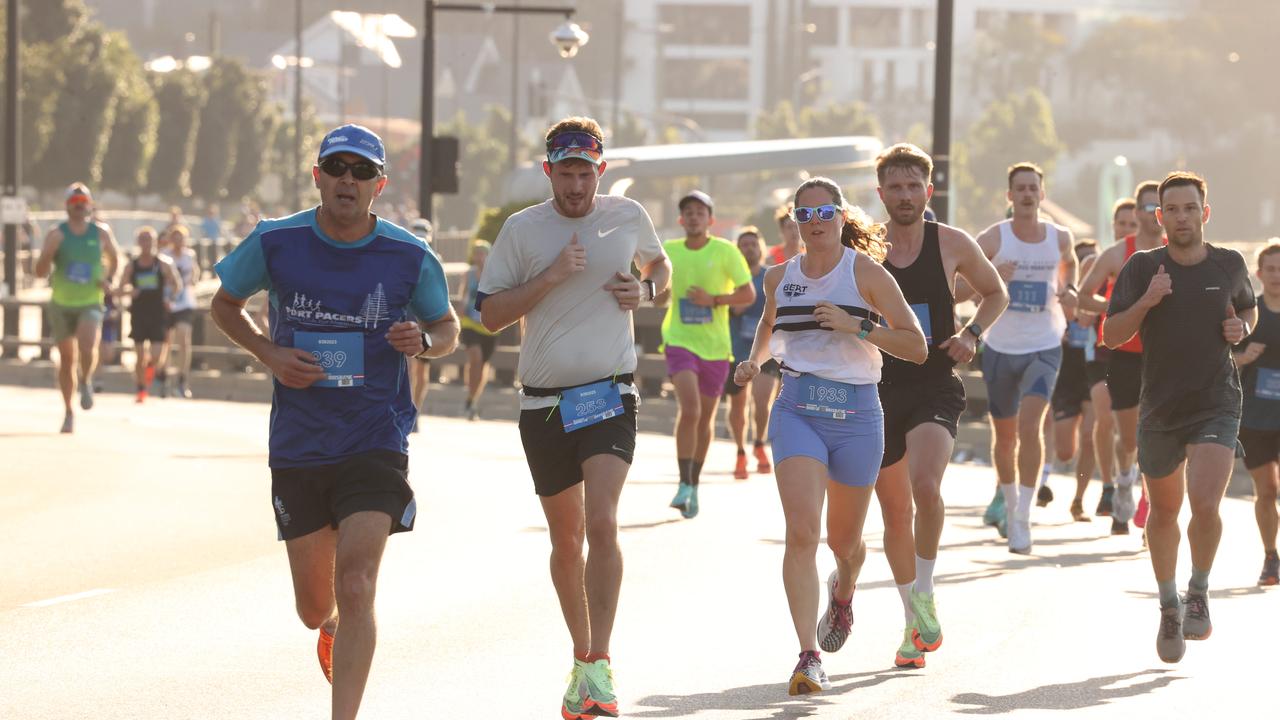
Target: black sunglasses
363,170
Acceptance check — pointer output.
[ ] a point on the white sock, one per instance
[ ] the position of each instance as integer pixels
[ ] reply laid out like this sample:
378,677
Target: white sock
1044,475
904,591
1010,495
924,574
1025,496
1127,477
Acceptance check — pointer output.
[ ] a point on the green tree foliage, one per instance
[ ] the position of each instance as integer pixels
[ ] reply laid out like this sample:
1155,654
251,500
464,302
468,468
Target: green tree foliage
629,133
1017,55
253,144
1018,128
179,96
282,160
833,120
42,83
50,21
778,122
132,141
492,219
229,104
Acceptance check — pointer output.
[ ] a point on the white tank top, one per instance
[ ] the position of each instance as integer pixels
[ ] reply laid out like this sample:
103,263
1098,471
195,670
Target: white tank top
800,345
1034,320
185,264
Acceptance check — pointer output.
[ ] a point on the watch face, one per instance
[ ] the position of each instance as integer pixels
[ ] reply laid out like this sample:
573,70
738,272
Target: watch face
867,326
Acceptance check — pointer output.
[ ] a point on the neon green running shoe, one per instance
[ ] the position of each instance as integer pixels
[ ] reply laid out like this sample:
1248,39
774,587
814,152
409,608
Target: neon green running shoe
573,707
928,632
908,654
600,700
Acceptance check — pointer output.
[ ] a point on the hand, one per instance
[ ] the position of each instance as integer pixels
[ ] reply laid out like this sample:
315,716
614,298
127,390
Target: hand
961,347
1161,285
1068,298
406,337
1006,270
831,317
294,367
1252,352
1233,327
573,259
745,373
626,290
698,296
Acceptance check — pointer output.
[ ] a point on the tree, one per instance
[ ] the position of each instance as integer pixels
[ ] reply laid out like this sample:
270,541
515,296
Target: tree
179,97
42,83
778,122
492,219
253,144
1019,54
229,104
132,140
832,120
51,21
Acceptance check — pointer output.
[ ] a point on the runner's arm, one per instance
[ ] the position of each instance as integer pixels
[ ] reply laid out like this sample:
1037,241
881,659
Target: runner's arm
1097,275
52,242
444,335
659,271
988,244
982,280
293,367
764,331
110,255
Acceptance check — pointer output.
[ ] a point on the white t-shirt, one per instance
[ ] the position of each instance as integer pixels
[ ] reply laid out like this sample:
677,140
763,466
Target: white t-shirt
577,333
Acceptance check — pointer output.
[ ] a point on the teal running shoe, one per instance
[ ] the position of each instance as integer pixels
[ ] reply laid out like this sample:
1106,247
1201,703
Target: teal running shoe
928,632
908,654
600,700
995,511
690,510
573,707
681,500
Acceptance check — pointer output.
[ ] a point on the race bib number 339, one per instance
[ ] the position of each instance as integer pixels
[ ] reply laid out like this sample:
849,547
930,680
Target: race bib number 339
340,355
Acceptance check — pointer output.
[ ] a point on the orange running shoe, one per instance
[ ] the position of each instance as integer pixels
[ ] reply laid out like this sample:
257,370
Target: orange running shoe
142,396
149,375
762,460
324,649
740,470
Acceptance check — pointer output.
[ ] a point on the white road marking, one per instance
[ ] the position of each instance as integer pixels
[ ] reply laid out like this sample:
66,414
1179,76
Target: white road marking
68,598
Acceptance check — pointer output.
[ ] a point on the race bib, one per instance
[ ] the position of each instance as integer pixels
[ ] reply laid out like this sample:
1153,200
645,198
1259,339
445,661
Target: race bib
922,314
693,314
1025,296
80,273
826,398
1080,337
147,280
340,355
1267,384
589,404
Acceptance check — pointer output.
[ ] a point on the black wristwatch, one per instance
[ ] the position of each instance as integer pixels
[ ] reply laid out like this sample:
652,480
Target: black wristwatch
866,326
426,345
974,329
653,288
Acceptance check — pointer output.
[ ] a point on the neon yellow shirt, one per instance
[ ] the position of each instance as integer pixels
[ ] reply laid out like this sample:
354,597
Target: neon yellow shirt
717,267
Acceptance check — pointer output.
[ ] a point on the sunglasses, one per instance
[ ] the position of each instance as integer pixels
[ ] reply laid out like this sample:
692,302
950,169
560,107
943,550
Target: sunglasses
824,213
363,170
575,139
1149,207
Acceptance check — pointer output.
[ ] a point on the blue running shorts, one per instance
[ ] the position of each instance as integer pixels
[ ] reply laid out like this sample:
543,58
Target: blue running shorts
850,448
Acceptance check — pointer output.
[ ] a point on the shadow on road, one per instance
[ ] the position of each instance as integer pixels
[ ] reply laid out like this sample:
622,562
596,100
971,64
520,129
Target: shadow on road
1067,696
1223,594
771,698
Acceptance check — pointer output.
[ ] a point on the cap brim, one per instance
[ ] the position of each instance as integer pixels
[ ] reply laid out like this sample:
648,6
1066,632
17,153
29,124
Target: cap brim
354,150
574,153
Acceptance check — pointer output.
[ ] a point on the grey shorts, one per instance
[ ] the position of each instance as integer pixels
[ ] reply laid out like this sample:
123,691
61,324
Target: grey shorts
1160,452
1009,378
63,320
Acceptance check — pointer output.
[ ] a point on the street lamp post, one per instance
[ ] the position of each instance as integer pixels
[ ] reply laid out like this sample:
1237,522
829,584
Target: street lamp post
567,38
11,167
297,106
942,111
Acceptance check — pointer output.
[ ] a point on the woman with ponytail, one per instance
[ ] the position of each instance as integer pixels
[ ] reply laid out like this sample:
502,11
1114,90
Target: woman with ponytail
828,314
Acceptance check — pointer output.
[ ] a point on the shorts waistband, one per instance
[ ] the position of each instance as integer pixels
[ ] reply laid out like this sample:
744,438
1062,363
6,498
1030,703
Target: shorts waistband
622,379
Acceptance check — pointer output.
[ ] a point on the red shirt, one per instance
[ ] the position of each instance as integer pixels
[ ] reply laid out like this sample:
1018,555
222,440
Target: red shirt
1133,344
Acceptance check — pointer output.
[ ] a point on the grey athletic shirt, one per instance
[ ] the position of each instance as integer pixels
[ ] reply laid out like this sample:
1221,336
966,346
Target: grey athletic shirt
577,333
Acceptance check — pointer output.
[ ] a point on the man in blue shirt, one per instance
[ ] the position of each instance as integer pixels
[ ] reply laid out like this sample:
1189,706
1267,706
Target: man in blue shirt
352,297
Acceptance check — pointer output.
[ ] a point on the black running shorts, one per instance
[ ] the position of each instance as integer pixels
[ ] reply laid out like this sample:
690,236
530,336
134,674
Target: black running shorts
307,499
1071,391
1260,447
908,404
486,343
555,457
1124,379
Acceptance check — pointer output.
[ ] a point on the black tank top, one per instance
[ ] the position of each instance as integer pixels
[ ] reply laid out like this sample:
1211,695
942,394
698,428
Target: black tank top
150,283
925,286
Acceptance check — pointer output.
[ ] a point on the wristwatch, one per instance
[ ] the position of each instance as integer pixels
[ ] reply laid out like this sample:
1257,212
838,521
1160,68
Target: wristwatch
975,330
866,327
426,345
653,288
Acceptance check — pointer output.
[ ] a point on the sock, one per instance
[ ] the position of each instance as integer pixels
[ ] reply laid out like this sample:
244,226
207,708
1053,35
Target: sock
467,405
1199,580
1010,492
1044,473
1109,485
904,591
759,444
592,657
581,656
924,574
1127,477
742,450
695,472
685,469
1168,593
1025,496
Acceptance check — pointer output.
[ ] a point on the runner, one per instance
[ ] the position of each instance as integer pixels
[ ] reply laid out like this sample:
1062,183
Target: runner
183,307
1259,361
708,275
821,323
564,267
1190,301
420,371
478,340
922,403
346,287
146,279
791,244
1072,409
1024,347
1124,364
79,257
742,330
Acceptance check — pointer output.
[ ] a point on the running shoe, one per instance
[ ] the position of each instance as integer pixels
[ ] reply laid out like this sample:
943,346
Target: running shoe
681,500
68,423
927,630
1122,503
837,621
1119,527
1195,622
86,395
1144,507
573,707
149,375
600,700
1104,502
1002,527
473,413
1077,511
762,460
1170,644
324,650
995,510
690,510
1270,570
1020,534
183,391
909,653
1044,495
808,677
141,396
740,469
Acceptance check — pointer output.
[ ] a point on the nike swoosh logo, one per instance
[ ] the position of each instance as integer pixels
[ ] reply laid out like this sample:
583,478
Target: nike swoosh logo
615,447
607,233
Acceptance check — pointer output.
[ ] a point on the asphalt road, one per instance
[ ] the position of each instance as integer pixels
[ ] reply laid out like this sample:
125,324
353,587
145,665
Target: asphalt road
141,578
